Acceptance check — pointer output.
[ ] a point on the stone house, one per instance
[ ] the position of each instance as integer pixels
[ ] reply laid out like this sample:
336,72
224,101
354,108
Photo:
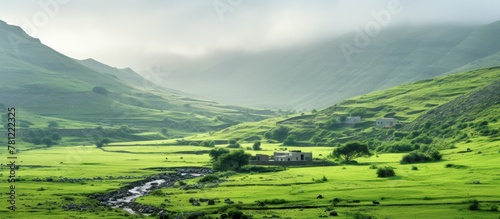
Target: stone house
352,120
294,155
386,122
283,156
261,157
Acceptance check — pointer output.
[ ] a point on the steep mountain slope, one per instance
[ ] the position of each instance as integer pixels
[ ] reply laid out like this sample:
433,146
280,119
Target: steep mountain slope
126,75
46,85
319,75
447,109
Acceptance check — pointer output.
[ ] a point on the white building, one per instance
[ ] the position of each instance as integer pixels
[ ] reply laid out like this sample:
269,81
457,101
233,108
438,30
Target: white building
386,122
292,156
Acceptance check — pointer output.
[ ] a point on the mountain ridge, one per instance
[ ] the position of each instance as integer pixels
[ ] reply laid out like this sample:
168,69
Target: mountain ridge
319,75
49,86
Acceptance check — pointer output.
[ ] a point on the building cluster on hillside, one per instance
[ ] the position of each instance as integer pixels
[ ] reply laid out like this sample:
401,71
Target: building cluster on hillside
285,156
380,122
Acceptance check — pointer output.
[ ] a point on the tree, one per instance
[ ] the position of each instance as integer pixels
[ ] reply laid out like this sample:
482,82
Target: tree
53,124
280,133
351,151
332,123
47,141
36,141
100,90
211,144
342,119
55,137
256,146
164,131
385,172
290,140
216,153
358,112
231,161
99,144
233,144
105,141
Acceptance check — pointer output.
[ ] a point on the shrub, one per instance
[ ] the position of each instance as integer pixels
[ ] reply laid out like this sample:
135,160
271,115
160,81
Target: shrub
236,214
256,146
226,173
207,144
493,207
414,168
157,193
231,161
324,179
385,172
274,201
473,204
279,133
53,124
208,178
421,156
401,146
359,215
422,140
233,144
262,169
290,140
100,90
400,134
398,126
373,167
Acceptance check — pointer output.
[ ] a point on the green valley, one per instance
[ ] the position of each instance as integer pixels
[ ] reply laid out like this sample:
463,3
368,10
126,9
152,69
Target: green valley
234,128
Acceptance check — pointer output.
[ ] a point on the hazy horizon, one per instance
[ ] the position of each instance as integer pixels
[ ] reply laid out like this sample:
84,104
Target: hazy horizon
151,33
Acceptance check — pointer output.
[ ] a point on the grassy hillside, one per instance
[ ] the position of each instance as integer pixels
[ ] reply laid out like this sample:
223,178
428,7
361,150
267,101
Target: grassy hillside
47,86
449,109
319,75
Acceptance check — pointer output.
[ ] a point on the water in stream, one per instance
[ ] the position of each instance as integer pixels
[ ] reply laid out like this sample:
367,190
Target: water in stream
135,193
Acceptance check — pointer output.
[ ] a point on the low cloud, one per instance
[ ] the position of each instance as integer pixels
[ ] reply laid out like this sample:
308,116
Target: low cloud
143,33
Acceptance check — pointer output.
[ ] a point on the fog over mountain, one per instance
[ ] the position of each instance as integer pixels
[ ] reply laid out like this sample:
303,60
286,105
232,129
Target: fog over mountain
288,54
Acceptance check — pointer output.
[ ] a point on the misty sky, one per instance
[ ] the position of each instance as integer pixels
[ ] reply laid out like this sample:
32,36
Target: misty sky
140,34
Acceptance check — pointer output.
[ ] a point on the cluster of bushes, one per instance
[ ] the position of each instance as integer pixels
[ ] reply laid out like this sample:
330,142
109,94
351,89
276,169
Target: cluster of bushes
235,214
256,146
261,169
386,172
224,160
42,137
398,146
233,144
274,201
483,129
279,133
102,142
100,90
208,178
291,140
208,144
425,154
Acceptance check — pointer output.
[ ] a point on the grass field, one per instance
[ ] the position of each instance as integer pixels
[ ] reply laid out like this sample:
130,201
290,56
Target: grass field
432,191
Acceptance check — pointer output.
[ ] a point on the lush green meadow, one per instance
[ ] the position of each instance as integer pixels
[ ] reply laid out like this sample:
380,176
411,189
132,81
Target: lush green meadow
432,191
91,169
